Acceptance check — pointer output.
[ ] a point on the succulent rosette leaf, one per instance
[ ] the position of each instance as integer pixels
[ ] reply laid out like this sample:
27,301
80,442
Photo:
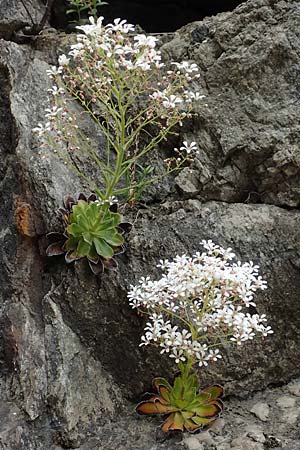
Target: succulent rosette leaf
92,231
185,408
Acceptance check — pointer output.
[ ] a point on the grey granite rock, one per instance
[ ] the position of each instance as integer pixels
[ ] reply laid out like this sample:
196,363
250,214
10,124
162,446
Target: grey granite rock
286,401
249,131
294,388
17,14
71,369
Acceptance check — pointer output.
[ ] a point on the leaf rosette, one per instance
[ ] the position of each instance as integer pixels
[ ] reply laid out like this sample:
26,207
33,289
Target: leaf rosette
92,231
184,406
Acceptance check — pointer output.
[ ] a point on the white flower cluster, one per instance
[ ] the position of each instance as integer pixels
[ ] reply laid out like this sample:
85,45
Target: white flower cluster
106,61
198,303
112,39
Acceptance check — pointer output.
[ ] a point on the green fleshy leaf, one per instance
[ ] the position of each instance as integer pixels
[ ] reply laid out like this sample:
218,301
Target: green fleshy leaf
177,390
187,414
79,209
111,221
112,237
94,213
181,403
87,237
83,248
178,422
214,391
200,399
93,255
192,383
202,421
84,223
165,394
71,256
71,243
74,230
103,249
190,426
190,394
207,410
158,381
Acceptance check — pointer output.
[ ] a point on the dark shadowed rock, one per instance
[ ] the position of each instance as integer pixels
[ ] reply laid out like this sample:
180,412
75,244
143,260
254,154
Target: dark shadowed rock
69,355
155,16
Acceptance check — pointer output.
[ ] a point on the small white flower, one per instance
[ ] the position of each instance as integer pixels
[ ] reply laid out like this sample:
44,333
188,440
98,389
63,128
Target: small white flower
93,28
120,26
63,60
171,101
189,148
145,41
54,71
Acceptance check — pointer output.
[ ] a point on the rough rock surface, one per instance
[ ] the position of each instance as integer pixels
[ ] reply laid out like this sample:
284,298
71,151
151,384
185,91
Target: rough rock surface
17,14
249,131
70,365
237,429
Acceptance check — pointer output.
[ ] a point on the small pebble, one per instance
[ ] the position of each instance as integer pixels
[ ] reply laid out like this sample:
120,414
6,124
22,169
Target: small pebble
261,410
294,388
206,438
218,426
192,443
255,432
223,446
286,401
242,443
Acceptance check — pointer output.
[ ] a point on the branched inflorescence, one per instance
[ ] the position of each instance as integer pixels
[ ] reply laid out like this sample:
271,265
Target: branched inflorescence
199,303
120,82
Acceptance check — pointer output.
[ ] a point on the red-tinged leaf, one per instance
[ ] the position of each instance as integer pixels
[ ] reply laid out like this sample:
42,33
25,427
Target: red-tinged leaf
96,268
64,214
215,391
154,407
110,264
166,426
93,259
55,249
219,403
151,397
62,211
71,256
120,250
125,227
178,422
92,198
55,236
159,381
164,394
114,207
81,196
69,202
